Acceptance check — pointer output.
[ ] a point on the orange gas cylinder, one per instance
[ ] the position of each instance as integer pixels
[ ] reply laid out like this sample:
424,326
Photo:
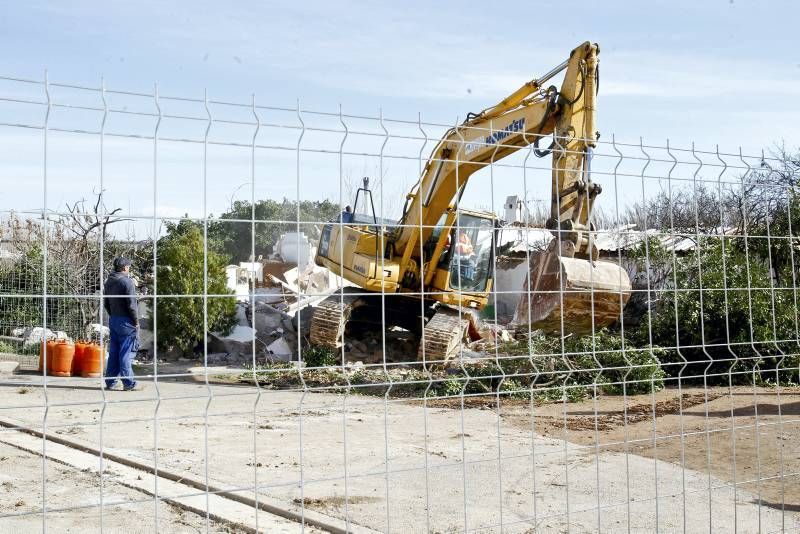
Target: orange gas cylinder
77,360
62,359
92,361
51,349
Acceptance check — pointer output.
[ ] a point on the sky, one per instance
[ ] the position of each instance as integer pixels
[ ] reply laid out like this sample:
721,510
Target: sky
717,72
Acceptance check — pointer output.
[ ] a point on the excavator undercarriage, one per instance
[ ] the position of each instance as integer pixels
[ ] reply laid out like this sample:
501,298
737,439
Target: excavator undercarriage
440,329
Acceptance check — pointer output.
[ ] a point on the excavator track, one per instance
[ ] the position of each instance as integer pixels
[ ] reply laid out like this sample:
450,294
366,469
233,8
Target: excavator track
330,318
443,335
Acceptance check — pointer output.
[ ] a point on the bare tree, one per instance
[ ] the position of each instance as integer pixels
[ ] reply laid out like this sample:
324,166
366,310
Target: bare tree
682,210
75,242
708,207
765,189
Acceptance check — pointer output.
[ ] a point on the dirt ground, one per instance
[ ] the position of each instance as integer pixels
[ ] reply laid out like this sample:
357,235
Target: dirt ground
717,436
401,466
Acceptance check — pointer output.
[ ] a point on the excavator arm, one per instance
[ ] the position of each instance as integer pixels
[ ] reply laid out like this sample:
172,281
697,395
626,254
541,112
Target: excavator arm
522,119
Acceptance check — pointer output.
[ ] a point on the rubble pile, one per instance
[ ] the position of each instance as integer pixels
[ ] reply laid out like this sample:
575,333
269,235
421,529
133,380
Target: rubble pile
400,345
271,318
238,343
262,330
277,319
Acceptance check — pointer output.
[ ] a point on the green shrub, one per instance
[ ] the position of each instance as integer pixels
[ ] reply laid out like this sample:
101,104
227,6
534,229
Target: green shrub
180,272
719,312
583,361
319,356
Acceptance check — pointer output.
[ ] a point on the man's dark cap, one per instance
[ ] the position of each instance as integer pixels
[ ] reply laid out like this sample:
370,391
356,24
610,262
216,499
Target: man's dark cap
120,263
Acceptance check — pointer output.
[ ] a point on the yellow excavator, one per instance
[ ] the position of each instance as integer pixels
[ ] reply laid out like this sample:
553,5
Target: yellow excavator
428,271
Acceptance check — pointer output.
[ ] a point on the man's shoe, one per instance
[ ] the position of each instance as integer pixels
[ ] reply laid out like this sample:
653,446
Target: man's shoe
112,387
135,387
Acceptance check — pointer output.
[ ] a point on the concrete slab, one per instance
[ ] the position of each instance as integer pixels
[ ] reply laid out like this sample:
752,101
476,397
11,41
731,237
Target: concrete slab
8,368
234,514
396,465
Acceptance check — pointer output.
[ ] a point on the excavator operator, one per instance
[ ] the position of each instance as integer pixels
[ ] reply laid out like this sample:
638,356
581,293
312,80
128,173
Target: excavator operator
465,256
464,246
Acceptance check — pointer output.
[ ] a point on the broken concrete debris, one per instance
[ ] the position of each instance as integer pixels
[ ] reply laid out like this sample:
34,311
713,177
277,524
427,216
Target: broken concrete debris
370,347
267,319
36,334
268,295
280,350
239,342
276,298
241,316
495,333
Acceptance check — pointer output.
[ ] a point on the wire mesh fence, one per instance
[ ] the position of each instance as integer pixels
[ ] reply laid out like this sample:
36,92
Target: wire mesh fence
313,354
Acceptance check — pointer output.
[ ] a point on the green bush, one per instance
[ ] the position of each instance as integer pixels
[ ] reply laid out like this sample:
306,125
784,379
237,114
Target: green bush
319,356
571,369
180,272
718,306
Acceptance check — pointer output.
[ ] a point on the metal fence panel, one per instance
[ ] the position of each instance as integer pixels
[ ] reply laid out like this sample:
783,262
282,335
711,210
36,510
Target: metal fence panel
681,415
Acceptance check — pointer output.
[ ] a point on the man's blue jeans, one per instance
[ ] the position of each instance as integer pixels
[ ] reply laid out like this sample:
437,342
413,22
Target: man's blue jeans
121,350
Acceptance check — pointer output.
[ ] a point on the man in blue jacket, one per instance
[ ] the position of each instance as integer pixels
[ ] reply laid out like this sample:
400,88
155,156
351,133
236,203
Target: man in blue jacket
123,323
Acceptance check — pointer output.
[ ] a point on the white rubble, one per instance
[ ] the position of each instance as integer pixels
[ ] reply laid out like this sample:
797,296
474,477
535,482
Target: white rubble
34,335
280,350
241,334
239,341
493,332
268,295
96,330
267,319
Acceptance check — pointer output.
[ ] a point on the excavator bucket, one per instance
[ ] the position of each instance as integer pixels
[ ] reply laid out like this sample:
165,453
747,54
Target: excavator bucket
571,295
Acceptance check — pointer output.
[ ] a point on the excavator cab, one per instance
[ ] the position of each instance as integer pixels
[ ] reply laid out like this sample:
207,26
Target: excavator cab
457,259
470,254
